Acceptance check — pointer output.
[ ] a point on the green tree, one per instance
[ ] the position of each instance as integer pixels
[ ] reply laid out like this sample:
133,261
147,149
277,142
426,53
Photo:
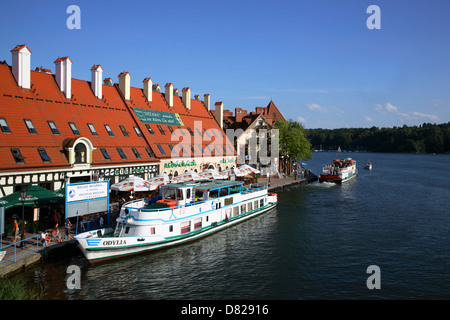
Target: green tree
293,142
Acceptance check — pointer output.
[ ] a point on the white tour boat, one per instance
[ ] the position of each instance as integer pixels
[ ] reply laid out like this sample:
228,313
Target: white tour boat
340,171
183,212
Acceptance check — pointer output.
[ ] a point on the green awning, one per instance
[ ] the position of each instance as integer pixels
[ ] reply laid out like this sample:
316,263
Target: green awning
36,196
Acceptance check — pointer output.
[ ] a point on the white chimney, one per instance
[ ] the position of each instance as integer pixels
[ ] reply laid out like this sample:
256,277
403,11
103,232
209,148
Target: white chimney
63,75
187,97
169,94
207,100
148,91
21,56
218,113
124,84
96,80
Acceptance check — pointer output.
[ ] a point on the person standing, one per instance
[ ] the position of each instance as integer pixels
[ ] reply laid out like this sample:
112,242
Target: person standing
15,230
67,227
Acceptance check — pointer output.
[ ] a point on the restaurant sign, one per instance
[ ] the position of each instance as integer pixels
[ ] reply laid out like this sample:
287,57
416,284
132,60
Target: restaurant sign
174,164
158,117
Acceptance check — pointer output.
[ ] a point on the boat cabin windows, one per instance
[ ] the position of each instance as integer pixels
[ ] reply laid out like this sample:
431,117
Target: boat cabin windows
197,223
198,195
213,194
185,227
173,194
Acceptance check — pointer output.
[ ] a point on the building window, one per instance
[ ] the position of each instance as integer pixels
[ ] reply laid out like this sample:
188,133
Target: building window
150,153
108,129
124,131
200,148
30,126
190,131
161,130
53,127
4,125
170,129
44,155
74,128
199,132
149,129
161,149
121,153
105,154
80,153
182,131
274,114
136,153
138,132
92,128
17,155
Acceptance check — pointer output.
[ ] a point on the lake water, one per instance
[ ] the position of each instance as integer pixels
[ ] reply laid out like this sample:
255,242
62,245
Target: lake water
317,244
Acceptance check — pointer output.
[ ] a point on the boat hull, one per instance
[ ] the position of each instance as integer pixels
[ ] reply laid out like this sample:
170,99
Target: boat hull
97,249
336,178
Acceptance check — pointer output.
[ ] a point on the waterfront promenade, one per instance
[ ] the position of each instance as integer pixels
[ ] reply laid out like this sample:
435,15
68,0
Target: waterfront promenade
33,253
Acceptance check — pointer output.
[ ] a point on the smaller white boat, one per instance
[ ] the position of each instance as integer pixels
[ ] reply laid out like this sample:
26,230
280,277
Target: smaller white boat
368,165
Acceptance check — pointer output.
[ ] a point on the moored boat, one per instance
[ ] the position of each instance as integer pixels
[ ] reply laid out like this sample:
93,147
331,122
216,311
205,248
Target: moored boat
341,170
368,165
183,212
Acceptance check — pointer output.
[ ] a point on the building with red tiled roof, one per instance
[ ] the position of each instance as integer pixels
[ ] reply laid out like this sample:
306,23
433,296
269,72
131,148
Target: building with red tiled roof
244,125
54,128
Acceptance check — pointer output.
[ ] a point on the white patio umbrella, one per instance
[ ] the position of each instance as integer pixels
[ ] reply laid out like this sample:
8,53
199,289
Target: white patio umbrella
248,170
187,176
212,174
236,171
132,184
159,180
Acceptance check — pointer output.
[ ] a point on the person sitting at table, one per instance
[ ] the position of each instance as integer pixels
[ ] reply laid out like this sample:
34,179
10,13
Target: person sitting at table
56,235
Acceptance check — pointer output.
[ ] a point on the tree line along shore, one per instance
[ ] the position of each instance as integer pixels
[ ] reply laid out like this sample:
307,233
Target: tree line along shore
425,138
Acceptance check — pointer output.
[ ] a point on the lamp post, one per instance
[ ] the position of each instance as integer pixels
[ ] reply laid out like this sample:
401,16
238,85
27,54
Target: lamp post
23,194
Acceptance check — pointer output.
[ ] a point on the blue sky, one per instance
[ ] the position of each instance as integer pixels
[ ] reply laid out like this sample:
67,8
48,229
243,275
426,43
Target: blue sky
317,60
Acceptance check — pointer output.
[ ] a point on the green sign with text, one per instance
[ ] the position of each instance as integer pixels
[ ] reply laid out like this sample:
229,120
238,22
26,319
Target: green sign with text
158,117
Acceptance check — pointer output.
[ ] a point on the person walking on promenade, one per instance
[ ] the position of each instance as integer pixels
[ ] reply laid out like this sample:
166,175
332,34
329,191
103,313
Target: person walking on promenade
68,226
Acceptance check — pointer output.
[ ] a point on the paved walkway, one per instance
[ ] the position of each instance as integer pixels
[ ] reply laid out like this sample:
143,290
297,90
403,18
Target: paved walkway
29,254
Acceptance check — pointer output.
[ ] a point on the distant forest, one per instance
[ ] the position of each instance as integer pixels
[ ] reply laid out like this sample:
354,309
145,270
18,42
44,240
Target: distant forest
425,138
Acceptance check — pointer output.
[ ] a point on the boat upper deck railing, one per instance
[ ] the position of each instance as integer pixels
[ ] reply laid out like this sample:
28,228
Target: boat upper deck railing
140,204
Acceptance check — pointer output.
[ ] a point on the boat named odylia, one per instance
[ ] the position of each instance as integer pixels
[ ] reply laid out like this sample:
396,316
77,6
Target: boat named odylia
340,171
182,212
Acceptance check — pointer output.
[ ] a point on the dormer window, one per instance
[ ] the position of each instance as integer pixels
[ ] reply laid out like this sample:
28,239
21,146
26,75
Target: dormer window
79,151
